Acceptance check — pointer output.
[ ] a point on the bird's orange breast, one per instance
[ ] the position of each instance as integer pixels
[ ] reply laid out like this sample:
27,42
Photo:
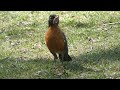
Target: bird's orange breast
54,39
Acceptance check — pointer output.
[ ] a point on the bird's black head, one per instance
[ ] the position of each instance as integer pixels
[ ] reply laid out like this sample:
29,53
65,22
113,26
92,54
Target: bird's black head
53,20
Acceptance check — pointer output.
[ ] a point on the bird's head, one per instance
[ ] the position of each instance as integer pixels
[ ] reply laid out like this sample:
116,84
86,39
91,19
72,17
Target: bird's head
53,20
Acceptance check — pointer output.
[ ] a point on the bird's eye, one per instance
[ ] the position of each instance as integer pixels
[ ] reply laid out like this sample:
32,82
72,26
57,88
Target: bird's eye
50,17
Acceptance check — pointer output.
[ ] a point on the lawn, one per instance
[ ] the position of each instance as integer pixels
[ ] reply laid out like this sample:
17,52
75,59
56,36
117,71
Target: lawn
93,41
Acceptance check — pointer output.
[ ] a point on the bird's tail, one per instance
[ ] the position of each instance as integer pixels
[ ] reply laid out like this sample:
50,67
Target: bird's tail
68,58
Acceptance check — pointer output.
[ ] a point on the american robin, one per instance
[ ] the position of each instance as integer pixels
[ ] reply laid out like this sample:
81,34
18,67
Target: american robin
56,40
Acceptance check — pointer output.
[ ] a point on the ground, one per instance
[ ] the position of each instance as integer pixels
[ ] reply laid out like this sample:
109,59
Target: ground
93,42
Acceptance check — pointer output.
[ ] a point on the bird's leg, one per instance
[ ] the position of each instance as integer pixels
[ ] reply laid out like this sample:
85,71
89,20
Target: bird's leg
62,57
55,56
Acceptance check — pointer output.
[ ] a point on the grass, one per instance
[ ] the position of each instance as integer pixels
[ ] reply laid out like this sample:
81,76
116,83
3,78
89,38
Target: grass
94,45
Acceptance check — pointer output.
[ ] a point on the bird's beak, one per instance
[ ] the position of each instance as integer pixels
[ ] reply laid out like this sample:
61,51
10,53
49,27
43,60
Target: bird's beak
56,19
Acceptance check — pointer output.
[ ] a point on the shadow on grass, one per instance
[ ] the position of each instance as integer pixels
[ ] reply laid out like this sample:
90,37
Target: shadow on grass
36,60
76,67
38,68
93,58
47,68
112,54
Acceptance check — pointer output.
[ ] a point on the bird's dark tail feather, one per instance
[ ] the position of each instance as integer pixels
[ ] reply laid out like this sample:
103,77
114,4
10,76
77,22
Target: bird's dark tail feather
68,59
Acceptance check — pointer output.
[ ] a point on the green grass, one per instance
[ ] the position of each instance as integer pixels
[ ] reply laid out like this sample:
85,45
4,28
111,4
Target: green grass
94,45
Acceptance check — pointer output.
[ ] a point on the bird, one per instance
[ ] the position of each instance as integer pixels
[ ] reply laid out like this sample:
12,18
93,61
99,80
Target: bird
55,40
